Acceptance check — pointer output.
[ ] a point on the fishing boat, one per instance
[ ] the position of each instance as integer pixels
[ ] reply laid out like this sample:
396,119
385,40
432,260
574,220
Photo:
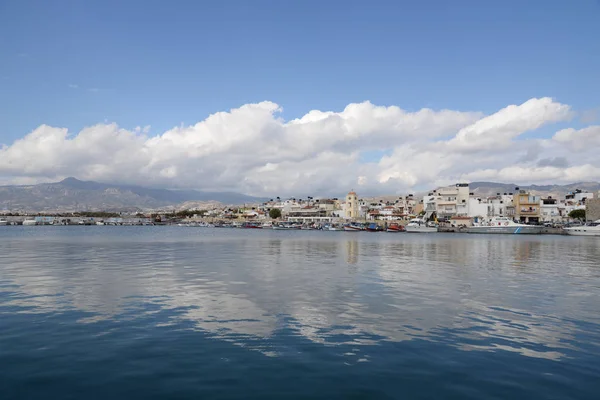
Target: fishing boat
332,227
282,227
286,226
252,225
3,222
308,227
421,225
373,227
267,225
505,225
354,227
30,222
591,229
395,227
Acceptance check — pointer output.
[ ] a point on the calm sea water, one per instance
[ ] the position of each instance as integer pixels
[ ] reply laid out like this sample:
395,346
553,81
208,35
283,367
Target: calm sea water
169,312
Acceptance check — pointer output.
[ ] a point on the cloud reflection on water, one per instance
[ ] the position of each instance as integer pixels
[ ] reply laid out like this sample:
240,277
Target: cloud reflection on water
476,293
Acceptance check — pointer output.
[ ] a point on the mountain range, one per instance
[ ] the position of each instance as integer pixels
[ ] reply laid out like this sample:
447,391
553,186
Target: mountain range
74,195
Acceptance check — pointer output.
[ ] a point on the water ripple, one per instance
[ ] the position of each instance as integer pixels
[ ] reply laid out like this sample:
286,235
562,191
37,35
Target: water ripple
474,315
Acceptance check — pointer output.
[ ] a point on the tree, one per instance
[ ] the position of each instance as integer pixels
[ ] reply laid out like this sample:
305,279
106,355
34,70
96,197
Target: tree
275,213
577,214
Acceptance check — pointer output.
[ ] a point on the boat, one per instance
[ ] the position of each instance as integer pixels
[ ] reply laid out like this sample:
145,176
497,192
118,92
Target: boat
286,226
3,222
280,227
354,227
30,222
252,225
421,225
308,227
591,229
332,227
373,227
505,225
100,223
395,227
267,225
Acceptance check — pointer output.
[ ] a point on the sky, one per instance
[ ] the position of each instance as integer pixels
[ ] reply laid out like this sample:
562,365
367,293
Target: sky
282,98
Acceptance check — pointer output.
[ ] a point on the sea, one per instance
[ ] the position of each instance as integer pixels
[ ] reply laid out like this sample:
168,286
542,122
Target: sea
160,312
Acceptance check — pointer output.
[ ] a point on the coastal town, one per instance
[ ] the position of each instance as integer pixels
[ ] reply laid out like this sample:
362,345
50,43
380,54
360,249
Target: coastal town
449,207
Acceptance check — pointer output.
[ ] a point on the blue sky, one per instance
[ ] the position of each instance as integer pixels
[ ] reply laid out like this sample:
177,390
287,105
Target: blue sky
163,63
78,64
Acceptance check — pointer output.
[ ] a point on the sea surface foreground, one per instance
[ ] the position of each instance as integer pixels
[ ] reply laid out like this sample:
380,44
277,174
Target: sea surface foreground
189,313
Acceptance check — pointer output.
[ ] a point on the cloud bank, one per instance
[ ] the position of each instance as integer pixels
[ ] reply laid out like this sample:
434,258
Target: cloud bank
370,148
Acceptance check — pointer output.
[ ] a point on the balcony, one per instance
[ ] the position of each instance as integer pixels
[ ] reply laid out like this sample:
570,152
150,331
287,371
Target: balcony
529,212
446,203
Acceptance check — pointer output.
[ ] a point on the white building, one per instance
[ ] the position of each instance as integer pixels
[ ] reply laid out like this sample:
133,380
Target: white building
551,210
478,208
579,196
448,201
500,205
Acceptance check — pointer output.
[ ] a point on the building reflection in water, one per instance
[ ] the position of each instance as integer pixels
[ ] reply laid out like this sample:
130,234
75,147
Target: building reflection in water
352,251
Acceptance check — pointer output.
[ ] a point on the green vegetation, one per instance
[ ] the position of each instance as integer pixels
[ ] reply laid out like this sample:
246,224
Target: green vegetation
275,213
577,214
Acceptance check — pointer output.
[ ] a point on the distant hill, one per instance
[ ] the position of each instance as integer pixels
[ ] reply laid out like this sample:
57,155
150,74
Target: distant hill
74,195
491,188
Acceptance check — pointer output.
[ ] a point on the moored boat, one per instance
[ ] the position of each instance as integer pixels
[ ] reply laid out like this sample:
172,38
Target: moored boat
354,227
333,228
421,225
373,227
30,222
591,229
3,222
395,227
252,225
309,227
505,225
286,226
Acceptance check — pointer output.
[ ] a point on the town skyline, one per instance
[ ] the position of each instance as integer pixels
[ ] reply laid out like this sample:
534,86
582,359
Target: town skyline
71,195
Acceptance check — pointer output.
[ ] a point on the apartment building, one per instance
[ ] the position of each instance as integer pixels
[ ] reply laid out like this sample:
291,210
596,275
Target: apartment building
527,206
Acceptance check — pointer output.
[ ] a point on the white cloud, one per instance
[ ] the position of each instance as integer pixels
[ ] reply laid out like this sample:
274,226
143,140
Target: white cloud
510,122
579,140
253,150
